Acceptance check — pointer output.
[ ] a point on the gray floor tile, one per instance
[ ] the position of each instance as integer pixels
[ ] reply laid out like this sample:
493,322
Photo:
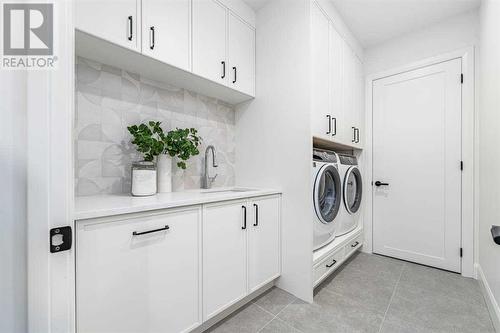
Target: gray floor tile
330,313
278,326
371,291
437,313
375,264
274,300
436,282
248,320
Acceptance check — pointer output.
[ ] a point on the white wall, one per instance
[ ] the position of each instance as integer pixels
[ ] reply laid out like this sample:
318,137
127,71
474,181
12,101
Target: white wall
13,306
450,35
489,150
273,139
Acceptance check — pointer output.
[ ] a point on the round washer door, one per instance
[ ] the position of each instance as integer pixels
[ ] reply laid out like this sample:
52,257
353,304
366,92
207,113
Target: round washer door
327,193
353,190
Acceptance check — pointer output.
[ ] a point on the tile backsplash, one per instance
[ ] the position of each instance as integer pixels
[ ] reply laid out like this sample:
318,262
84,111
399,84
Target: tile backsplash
109,99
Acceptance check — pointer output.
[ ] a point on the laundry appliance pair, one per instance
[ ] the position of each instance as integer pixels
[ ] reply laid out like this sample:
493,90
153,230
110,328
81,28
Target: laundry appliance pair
337,194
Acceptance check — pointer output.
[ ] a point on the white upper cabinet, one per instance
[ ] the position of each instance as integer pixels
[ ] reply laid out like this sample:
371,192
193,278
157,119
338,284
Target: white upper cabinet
139,274
209,40
322,122
263,242
166,31
241,57
223,46
116,21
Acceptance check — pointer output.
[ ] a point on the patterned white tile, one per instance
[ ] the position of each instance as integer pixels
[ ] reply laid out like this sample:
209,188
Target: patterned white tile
109,99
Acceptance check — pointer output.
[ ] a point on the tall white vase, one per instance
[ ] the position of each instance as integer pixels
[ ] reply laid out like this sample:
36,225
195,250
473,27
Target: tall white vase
164,173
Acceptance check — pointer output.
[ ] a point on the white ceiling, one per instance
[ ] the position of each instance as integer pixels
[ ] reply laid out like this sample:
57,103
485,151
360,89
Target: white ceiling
375,21
256,4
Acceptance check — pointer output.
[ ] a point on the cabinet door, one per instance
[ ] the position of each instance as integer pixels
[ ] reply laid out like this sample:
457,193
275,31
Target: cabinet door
139,283
166,31
209,40
336,79
321,117
116,21
264,242
348,94
360,101
224,256
241,55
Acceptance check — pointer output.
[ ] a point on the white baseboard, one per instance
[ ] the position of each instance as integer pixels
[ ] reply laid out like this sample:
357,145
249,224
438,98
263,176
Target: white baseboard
491,302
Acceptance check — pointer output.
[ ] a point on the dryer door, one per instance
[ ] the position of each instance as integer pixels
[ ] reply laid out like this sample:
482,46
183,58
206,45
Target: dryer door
353,190
327,193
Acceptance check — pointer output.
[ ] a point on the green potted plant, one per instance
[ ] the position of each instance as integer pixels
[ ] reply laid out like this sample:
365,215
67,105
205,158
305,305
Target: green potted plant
154,143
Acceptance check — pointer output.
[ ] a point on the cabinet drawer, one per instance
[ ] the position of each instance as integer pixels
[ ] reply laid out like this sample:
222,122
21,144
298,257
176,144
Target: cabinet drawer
328,265
354,244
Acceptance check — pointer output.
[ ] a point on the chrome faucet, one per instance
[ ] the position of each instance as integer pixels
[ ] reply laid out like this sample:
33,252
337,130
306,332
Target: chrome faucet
207,180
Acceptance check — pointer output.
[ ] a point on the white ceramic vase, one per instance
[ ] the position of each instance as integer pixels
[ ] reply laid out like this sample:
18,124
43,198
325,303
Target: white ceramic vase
164,170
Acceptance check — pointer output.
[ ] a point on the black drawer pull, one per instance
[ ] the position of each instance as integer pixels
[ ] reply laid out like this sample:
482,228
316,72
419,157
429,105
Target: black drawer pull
333,263
152,38
256,215
135,233
355,244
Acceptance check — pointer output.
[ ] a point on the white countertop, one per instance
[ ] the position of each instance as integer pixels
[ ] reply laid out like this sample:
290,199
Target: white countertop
108,205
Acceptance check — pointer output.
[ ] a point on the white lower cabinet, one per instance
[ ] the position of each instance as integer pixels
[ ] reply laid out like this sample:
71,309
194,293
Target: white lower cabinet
224,256
263,242
241,250
170,270
139,283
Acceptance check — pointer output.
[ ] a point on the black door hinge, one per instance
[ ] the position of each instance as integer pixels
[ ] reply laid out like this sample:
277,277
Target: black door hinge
461,252
462,78
60,239
462,165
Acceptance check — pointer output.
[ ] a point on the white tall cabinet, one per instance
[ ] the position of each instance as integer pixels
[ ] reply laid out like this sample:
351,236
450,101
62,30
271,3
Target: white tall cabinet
337,84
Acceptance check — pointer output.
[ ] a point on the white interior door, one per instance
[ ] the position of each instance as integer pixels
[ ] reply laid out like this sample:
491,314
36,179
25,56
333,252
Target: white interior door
417,151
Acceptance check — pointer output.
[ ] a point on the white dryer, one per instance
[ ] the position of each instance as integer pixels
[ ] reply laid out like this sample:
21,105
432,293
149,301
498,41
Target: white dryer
352,193
327,196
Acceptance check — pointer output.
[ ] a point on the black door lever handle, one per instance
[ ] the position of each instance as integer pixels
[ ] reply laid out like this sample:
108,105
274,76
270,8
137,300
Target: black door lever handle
377,183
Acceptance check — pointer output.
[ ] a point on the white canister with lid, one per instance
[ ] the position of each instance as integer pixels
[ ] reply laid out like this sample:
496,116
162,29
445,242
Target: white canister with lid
143,179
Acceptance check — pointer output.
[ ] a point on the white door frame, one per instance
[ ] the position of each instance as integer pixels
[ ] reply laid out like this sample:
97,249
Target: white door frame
469,141
50,178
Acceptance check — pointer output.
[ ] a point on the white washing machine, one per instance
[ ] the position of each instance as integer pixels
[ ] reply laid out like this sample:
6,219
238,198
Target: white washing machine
352,193
327,196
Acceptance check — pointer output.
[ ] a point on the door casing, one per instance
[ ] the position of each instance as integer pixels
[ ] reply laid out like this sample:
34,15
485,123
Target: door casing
469,146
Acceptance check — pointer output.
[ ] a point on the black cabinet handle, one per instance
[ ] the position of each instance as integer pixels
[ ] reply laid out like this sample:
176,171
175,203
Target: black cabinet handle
234,70
130,27
135,233
329,123
256,215
353,134
334,126
333,263
378,183
223,69
244,217
152,38
356,130
355,244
